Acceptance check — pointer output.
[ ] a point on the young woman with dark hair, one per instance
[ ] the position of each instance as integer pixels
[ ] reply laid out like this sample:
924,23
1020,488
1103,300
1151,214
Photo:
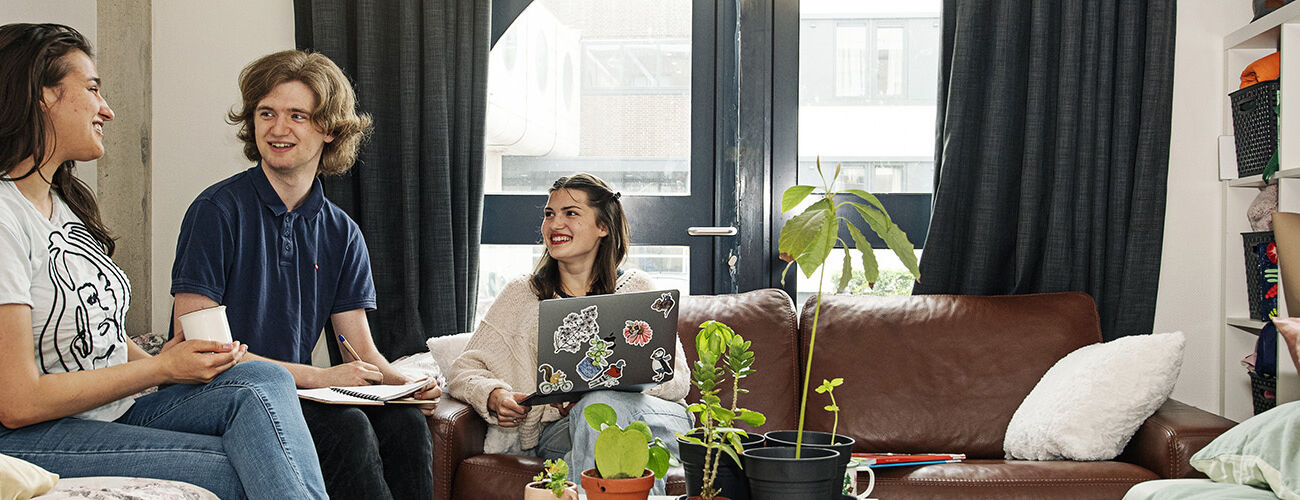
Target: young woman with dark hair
585,233
68,371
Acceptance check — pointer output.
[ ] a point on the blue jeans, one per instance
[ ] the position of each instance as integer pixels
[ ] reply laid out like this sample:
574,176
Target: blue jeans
574,443
241,435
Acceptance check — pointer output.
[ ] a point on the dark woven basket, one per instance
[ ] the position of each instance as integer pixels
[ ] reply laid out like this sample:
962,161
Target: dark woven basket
1263,391
1255,284
1254,123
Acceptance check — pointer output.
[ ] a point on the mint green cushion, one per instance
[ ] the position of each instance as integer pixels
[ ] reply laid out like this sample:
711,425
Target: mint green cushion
1263,451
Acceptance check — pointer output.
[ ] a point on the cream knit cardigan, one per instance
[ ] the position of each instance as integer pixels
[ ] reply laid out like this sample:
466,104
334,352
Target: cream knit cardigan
502,353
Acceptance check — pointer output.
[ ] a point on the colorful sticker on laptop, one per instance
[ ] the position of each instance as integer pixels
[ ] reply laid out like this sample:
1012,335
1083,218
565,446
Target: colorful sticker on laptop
664,304
587,370
609,377
577,328
553,380
599,350
637,332
663,363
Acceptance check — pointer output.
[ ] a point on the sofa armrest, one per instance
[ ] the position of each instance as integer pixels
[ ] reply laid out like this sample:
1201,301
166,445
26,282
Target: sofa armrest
1169,438
458,433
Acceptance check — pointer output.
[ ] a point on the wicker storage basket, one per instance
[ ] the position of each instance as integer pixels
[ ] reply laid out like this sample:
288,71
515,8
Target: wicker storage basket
1263,391
1254,123
1258,265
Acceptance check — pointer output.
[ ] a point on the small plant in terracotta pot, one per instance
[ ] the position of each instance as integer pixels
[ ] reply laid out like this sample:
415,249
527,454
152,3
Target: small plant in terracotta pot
628,459
551,482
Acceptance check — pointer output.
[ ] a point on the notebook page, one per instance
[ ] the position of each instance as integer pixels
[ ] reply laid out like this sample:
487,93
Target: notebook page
387,392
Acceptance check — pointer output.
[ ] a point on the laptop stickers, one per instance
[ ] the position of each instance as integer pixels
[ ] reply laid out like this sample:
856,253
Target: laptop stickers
637,332
663,304
577,329
607,341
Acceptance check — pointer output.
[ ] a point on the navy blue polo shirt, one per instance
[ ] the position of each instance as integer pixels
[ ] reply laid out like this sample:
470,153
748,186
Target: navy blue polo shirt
280,273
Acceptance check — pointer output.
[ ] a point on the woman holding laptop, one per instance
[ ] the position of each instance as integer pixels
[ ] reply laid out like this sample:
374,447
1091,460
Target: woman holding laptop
68,372
586,238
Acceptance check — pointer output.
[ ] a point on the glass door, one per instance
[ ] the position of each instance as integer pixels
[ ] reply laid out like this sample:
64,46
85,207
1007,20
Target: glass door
622,89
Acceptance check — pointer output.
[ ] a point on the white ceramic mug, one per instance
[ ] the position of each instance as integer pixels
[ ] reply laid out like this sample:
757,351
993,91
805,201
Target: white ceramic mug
207,324
851,480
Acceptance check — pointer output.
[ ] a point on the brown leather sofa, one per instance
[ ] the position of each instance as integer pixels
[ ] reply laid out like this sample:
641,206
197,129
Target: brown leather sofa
924,373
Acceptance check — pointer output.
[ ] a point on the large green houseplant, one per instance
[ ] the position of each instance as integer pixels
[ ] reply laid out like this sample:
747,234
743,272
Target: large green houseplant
723,355
808,238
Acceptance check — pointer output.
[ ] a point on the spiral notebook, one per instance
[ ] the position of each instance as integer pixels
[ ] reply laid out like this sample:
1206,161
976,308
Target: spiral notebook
366,394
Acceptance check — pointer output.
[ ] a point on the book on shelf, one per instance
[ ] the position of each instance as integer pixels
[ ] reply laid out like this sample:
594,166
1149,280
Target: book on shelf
366,394
876,460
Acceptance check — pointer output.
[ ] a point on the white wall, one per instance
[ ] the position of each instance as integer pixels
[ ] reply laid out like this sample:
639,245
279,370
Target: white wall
80,15
1190,297
199,47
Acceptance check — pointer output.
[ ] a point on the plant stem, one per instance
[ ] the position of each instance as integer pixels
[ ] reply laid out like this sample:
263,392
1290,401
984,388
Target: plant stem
836,423
710,455
807,372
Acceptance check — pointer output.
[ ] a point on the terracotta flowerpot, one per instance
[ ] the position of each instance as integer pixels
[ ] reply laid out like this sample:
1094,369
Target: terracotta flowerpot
598,488
536,491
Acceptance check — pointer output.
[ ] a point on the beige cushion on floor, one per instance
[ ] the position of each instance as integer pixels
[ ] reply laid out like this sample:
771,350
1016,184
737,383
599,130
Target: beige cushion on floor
20,479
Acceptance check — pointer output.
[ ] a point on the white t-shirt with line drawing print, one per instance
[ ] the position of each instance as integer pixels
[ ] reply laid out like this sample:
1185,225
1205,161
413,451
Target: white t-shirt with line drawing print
78,296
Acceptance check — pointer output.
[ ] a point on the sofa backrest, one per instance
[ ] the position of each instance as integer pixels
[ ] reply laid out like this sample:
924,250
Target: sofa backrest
767,318
938,373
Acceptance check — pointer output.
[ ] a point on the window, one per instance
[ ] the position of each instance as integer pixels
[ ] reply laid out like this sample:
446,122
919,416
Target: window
868,79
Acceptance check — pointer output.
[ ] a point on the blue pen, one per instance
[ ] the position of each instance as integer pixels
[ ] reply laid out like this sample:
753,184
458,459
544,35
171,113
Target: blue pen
344,342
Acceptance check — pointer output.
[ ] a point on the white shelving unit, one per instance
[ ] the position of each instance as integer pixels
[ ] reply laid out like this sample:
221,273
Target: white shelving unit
1278,31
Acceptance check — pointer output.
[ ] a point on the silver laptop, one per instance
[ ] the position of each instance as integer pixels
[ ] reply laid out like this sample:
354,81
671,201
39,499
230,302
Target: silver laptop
621,342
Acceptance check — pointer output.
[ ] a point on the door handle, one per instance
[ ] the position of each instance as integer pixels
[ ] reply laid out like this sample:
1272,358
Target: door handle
711,231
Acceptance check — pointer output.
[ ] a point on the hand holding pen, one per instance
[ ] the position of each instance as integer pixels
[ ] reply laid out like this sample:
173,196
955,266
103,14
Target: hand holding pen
352,373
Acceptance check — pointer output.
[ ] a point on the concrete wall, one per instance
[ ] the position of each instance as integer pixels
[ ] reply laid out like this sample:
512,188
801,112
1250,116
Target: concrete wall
199,47
1190,297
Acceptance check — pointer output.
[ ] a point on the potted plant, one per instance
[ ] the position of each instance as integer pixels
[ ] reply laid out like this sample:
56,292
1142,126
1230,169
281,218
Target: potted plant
807,240
628,459
711,452
551,482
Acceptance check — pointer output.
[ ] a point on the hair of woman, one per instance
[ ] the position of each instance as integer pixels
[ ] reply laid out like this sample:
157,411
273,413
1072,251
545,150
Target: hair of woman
613,247
32,58
336,104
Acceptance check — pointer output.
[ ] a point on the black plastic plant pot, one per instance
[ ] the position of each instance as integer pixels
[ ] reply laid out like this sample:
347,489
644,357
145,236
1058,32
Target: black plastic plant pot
816,439
774,473
731,481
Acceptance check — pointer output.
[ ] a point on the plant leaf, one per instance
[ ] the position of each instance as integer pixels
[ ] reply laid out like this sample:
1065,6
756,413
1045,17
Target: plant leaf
837,381
868,197
793,196
846,272
691,439
798,232
658,463
644,429
821,245
870,270
600,414
892,235
750,417
832,408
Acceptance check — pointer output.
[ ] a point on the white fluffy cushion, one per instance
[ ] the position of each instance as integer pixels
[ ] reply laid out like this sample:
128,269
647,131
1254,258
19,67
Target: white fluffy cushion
446,349
1088,405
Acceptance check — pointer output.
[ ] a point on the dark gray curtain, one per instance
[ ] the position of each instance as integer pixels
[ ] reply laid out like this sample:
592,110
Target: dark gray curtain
1052,152
420,70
